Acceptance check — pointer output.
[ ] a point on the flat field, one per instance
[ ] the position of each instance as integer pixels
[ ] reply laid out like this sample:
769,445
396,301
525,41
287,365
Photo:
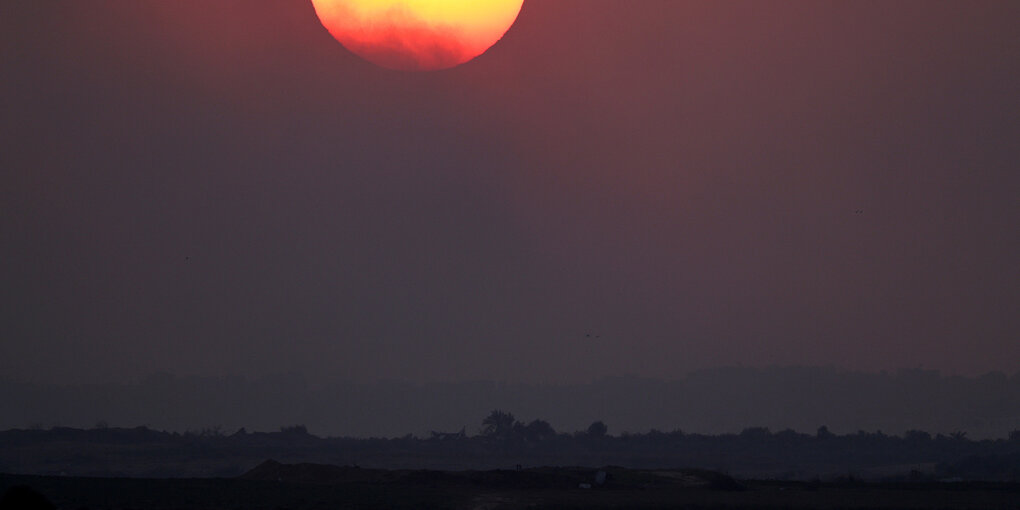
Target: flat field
305,487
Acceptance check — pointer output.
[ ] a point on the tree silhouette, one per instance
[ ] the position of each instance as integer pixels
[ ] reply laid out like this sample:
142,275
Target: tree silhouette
917,436
539,430
824,433
498,424
756,433
597,429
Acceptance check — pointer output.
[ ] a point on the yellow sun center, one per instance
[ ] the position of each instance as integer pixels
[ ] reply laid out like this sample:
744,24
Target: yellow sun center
417,34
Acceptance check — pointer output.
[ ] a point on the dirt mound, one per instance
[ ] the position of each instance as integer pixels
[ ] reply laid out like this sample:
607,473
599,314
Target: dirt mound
273,471
524,479
699,478
22,497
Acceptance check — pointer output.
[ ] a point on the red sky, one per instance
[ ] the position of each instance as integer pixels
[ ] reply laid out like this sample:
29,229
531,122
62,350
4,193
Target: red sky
220,188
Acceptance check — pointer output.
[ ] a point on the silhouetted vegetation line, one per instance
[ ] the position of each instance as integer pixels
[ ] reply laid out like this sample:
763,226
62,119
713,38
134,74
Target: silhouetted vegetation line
800,398
504,441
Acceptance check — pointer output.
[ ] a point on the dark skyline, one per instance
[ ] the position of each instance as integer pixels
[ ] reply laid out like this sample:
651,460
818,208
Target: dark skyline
647,188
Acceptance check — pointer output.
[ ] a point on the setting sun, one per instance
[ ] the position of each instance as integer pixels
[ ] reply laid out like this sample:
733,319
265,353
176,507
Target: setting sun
419,35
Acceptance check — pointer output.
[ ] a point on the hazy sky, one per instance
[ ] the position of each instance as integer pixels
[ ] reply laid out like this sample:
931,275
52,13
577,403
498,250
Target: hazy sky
220,188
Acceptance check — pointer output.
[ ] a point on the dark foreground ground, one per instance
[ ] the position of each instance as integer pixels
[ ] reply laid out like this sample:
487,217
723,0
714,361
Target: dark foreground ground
276,486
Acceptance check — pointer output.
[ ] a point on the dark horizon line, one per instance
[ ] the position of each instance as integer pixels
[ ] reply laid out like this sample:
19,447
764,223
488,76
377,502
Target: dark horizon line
748,433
